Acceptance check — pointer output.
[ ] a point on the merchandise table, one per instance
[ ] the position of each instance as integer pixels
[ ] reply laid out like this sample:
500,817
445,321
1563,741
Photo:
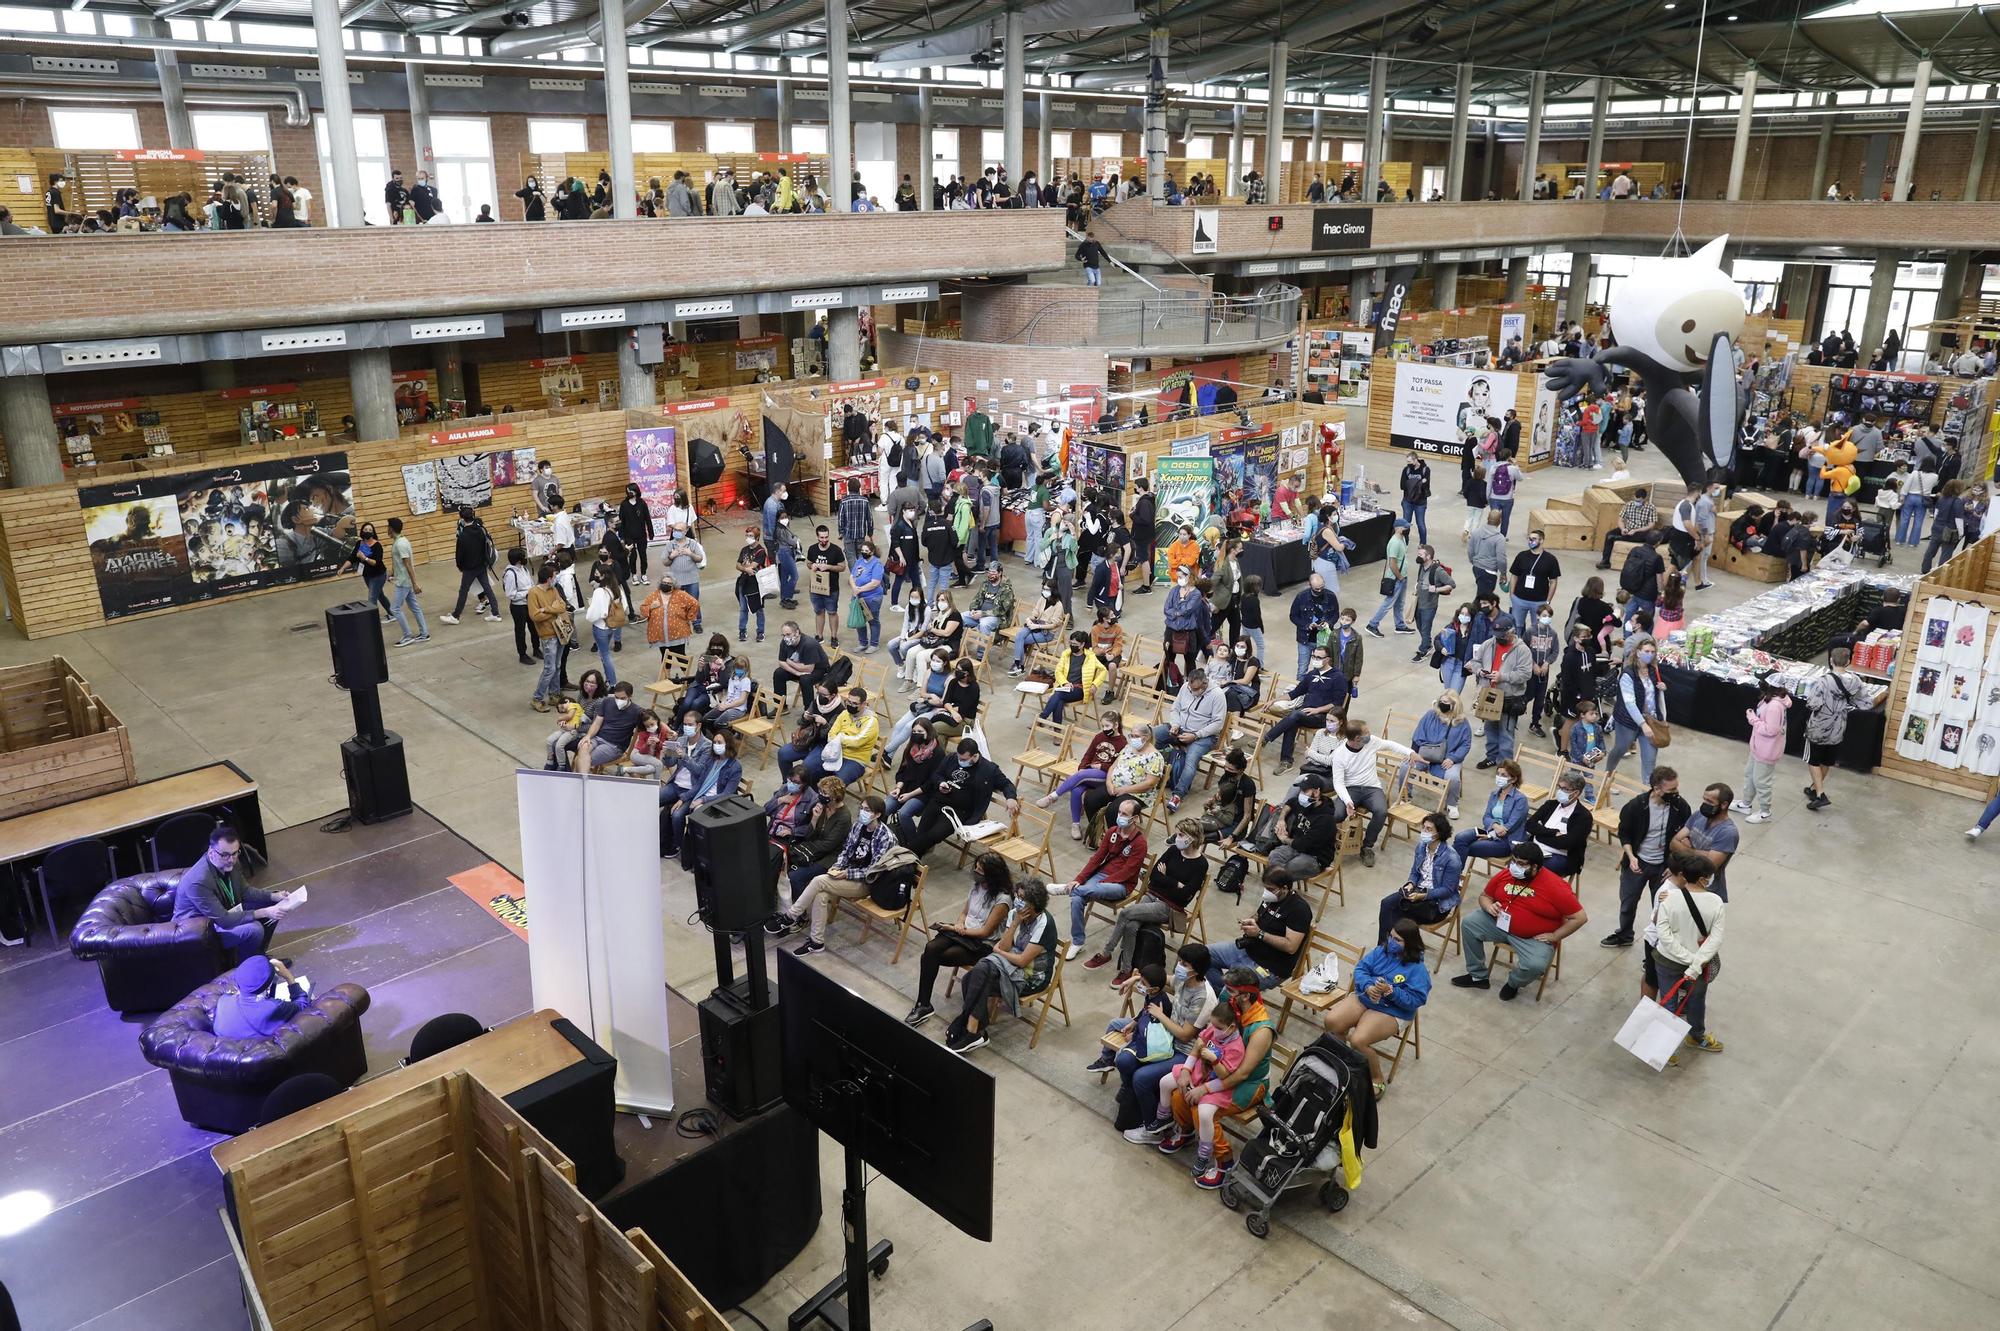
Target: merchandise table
1280,566
1716,706
1370,537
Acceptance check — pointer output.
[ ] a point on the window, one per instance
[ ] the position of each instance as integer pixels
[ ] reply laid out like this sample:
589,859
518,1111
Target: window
27,20
557,136
1352,150
944,148
1201,145
231,131
462,166
808,138
1107,145
86,130
992,148
875,160
732,138
1059,143
1285,147
652,136
371,155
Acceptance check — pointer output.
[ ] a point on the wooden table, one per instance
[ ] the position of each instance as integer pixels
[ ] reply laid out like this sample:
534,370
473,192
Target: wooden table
149,802
505,1059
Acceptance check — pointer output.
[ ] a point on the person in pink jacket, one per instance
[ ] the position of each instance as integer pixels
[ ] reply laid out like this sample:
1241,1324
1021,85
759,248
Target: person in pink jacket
1767,746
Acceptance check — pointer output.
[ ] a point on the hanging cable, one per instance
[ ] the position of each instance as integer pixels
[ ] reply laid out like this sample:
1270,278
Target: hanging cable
1677,245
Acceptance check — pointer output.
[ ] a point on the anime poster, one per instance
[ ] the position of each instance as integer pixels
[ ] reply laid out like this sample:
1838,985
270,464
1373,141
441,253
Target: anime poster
420,488
651,463
1183,488
176,539
1228,460
465,481
1099,467
1260,473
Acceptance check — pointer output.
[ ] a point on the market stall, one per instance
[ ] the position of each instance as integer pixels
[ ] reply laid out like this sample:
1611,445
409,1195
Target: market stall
1944,706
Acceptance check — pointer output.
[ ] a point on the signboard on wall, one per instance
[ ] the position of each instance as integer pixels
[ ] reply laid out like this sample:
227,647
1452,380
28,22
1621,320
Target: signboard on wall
1207,224
1542,430
651,463
1513,325
1339,230
1438,407
158,541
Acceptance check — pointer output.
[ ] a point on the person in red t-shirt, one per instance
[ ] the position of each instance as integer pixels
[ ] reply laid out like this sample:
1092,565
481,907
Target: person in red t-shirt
1527,907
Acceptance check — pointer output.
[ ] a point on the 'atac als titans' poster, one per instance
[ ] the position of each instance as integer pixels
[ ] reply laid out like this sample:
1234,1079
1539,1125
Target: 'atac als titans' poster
170,540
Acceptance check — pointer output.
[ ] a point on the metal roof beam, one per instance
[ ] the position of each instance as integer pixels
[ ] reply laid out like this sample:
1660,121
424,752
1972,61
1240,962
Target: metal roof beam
1903,40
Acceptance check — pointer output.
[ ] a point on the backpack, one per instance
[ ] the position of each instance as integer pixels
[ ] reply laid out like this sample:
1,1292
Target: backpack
1502,484
892,888
839,672
896,456
1229,878
616,618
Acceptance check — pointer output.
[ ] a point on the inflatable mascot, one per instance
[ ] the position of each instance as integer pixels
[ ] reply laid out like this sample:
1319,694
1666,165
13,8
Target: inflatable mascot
1673,321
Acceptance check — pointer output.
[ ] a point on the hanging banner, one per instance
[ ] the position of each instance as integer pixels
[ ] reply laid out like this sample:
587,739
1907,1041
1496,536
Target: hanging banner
651,463
1395,294
1438,408
1342,229
1182,487
1207,225
158,541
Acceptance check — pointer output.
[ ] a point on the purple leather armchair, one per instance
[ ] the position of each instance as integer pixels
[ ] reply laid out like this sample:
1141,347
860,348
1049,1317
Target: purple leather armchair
147,960
220,1084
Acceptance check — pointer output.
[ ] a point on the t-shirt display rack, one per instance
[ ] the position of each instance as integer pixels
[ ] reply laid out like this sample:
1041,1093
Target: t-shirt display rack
1948,674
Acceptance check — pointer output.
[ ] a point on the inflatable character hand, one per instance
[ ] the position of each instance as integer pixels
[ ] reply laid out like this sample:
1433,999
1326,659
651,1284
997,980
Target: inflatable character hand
1570,375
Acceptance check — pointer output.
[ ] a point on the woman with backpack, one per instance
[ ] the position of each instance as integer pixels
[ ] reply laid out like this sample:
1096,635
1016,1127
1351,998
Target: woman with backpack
1472,486
1502,486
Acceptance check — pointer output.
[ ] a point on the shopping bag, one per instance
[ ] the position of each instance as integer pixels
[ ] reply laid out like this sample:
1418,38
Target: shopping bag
1653,1032
1491,704
767,581
857,614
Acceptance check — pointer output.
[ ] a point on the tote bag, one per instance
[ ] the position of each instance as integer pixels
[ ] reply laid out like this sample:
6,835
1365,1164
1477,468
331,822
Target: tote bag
1654,1030
767,581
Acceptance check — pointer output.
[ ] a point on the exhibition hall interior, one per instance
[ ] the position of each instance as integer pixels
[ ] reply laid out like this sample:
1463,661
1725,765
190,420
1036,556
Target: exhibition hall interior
859,663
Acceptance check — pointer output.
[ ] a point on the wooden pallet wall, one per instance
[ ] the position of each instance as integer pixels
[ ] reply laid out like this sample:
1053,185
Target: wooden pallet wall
1153,442
1973,574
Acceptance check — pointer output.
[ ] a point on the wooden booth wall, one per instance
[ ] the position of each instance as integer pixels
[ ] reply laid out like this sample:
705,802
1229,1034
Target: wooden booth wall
96,177
1381,403
1973,574
1153,442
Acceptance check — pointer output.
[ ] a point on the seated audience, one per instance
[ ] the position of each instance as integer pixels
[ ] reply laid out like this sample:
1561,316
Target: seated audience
1020,966
1527,907
1389,984
987,907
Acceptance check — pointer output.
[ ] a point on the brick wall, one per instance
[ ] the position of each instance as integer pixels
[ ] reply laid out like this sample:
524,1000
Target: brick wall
1058,314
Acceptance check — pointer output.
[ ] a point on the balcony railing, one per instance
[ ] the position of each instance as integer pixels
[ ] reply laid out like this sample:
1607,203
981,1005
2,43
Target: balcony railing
1171,319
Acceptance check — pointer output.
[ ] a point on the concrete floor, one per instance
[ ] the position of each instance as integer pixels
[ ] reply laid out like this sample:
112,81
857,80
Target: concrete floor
1829,1170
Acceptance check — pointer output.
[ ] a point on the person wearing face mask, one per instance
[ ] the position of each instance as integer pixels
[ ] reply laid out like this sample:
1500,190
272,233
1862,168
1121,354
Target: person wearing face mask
1711,834
1544,650
1110,874
1079,675
801,661
1347,650
1526,907
1414,485
1396,572
1269,940
1189,626
1305,837
1191,730
710,773
810,852
1639,715
1535,573
1355,778
1320,700
1314,611
1683,947
610,731
1442,742
858,733
921,762
1144,527
1506,662
1183,555
1389,986
685,558
905,559
988,906
1432,890
1562,826
1430,580
654,747
778,537
369,557
1172,883
1226,1074
870,849
1501,821
1245,678
1647,826
965,791
1453,649
993,604
635,524
1093,765
789,813
1021,964
1179,1007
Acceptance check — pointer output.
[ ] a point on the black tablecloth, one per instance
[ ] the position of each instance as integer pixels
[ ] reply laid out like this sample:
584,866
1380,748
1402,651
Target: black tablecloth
1280,566
1370,537
1716,706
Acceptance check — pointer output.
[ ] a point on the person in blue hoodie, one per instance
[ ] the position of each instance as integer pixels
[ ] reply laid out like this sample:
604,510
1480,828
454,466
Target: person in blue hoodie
1502,821
1441,742
1432,891
1470,625
1315,610
254,1011
1391,983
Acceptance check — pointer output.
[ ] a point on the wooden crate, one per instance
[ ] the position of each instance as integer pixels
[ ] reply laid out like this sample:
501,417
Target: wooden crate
1564,528
441,1208
61,742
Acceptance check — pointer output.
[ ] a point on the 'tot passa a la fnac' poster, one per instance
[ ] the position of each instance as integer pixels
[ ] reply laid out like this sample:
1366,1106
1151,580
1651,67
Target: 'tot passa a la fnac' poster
1437,408
157,541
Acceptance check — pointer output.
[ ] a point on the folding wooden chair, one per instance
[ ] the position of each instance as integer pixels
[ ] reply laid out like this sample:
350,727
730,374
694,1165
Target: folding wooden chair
1555,966
1144,656
1332,880
1049,742
1049,996
1423,794
1538,773
1115,1041
874,917
1025,850
1042,660
1317,943
874,677
1613,793
1108,910
980,648
761,726
1445,931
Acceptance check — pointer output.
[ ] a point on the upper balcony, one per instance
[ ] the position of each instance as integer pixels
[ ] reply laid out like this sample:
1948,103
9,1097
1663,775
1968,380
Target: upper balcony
93,287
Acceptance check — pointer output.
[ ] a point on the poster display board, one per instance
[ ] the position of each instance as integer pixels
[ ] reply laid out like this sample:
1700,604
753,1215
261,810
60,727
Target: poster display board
1184,489
1100,467
157,541
1437,408
1542,430
650,461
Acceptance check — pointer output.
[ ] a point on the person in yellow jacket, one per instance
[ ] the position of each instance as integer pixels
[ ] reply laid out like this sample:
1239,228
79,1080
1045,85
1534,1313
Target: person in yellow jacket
1079,674
788,193
859,734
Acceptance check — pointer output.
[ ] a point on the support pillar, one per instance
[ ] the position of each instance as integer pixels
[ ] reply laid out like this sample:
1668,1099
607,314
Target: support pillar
1517,280
618,109
1155,115
839,122
927,177
1951,295
1881,287
1489,161
167,63
1045,144
1600,110
1461,118
1578,302
337,102
1315,149
34,450
374,390
1739,152
450,367
1795,290
1975,171
637,389
843,344
1913,128
1531,148
1232,186
1274,122
1360,290
1372,136
784,115
1822,151
217,375
1444,286
420,115
1013,89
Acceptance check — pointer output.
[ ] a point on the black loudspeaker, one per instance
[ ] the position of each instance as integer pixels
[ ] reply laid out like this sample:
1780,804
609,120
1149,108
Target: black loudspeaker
378,785
704,462
741,1053
354,632
729,854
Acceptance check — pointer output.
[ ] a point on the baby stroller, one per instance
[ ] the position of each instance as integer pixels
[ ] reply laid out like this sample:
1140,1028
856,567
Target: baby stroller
1300,1143
1872,538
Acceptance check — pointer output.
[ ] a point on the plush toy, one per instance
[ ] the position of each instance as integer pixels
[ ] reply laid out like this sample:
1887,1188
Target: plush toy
1673,321
1837,464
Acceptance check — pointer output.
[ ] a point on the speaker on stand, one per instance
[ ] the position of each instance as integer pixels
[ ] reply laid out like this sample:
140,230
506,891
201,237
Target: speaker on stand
736,890
378,783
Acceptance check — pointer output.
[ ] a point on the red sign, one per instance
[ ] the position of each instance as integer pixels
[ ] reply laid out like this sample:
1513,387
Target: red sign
698,404
469,434
553,361
854,386
160,155
411,376
784,157
768,340
87,408
261,390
